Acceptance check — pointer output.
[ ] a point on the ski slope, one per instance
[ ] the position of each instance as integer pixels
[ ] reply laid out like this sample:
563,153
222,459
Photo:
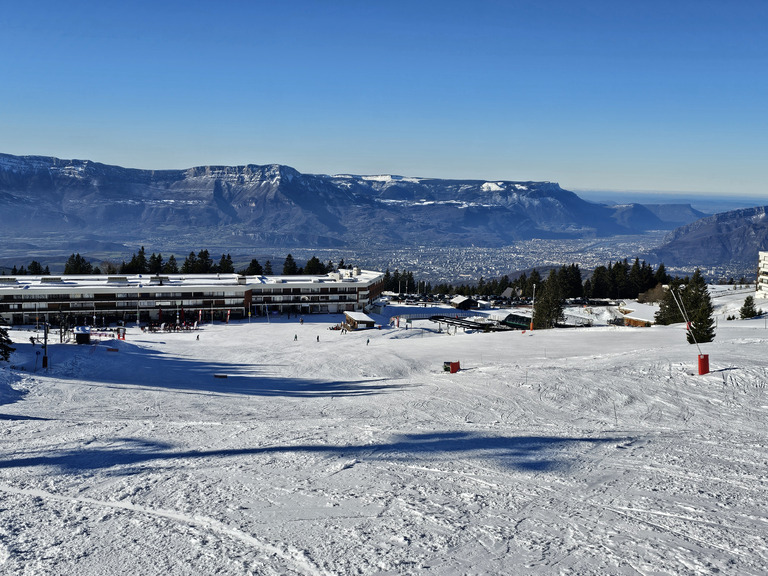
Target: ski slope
580,451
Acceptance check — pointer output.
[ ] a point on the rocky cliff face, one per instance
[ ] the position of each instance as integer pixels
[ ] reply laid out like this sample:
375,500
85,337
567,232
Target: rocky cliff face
730,238
276,205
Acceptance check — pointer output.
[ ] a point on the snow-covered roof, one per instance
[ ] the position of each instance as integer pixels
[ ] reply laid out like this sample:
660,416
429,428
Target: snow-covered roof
459,299
638,311
359,317
129,282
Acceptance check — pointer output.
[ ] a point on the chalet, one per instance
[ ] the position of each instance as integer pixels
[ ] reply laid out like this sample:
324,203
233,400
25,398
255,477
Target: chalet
358,320
463,303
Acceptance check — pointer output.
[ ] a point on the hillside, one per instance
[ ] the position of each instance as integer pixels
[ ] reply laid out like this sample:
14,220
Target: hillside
580,451
731,238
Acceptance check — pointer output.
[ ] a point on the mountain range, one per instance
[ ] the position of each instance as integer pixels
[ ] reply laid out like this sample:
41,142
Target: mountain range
730,238
275,205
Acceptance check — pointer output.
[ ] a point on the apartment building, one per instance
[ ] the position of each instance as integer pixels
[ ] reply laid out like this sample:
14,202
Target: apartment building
102,300
762,275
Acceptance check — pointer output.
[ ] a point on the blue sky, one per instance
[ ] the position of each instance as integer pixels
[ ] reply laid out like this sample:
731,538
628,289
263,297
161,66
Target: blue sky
614,95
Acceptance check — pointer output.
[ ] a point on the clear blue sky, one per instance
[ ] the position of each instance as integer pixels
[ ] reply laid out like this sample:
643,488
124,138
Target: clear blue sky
620,95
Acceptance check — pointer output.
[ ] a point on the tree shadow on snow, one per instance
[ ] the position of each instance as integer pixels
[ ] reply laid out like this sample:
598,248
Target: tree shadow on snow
523,453
131,365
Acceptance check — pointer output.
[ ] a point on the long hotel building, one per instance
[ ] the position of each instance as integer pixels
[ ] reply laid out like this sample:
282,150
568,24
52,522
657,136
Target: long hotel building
103,299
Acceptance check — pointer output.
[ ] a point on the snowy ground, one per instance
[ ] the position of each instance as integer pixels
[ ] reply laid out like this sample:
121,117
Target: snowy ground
576,451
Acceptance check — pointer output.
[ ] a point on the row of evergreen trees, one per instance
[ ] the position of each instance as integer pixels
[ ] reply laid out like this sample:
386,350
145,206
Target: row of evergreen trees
200,263
34,269
617,280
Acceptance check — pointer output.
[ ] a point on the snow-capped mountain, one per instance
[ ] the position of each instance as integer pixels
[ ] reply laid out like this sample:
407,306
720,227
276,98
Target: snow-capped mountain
277,205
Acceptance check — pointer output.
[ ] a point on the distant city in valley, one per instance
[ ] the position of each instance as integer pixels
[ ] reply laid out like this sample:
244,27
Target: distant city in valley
468,264
443,231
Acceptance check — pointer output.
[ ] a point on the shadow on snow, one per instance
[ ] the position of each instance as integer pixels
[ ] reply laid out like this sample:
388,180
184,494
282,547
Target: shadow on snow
134,366
525,453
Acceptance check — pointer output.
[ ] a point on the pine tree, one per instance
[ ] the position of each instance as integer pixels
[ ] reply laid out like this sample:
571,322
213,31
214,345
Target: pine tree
635,278
76,264
171,267
694,297
289,266
35,268
268,268
620,279
314,266
533,280
661,276
141,262
700,310
748,310
254,268
225,265
669,312
5,345
549,305
204,264
155,263
190,264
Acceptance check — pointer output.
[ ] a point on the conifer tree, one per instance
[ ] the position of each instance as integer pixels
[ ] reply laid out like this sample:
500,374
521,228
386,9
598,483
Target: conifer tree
289,266
694,298
5,345
35,268
669,312
533,280
748,309
225,265
549,305
171,267
700,310
76,264
661,276
190,264
204,264
314,266
600,284
268,268
254,268
155,264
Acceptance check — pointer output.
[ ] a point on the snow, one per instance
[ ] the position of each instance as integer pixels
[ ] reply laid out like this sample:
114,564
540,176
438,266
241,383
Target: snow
576,451
492,187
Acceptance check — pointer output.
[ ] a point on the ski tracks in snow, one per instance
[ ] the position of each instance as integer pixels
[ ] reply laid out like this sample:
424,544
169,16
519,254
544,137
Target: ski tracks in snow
293,557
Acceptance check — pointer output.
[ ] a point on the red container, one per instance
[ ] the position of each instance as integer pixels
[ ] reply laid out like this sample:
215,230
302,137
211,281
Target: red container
703,364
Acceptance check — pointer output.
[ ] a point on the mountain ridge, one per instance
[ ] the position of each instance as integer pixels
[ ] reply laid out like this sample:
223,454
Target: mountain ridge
276,204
